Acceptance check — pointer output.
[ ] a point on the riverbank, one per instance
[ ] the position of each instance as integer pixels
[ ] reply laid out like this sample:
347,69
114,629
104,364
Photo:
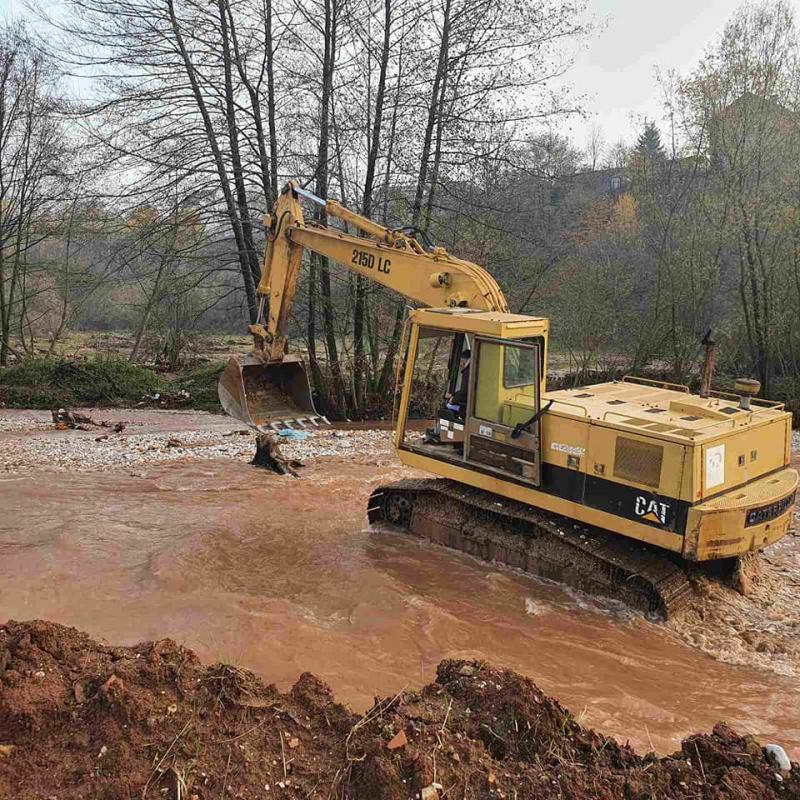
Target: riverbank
85,719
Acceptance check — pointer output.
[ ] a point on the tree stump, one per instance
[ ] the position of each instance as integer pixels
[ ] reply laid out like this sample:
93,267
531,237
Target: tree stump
268,456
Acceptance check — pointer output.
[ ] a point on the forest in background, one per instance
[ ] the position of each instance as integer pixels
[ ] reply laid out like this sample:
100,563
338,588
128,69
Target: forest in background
141,142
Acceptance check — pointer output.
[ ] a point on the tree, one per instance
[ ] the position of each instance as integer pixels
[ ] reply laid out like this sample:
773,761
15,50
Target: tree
595,147
648,145
32,152
744,100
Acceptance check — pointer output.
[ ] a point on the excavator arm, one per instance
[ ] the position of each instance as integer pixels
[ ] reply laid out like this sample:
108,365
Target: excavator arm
392,258
269,385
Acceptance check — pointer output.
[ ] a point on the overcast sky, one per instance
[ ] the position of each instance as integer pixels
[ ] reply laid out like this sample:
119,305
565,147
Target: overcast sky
616,72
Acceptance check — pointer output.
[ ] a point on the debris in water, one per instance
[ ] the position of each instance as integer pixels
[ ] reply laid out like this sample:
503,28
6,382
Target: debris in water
531,607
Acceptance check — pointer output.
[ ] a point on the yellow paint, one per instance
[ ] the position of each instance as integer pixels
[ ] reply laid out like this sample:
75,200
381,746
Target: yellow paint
558,505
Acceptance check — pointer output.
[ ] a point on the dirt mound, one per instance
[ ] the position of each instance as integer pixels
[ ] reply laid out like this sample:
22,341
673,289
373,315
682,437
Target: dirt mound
80,719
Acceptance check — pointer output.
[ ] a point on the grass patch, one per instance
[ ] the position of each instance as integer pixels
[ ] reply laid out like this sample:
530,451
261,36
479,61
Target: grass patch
50,383
201,384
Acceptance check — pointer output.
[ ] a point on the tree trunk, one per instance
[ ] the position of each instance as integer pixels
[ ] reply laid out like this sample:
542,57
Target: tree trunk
323,155
236,158
268,165
359,358
271,102
268,455
433,107
219,163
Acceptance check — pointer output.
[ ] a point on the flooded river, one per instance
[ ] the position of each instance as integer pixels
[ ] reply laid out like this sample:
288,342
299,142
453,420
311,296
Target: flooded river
281,576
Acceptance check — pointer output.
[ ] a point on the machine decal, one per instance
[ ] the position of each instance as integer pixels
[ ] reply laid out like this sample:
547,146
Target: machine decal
715,466
569,449
613,497
485,430
757,516
650,509
361,258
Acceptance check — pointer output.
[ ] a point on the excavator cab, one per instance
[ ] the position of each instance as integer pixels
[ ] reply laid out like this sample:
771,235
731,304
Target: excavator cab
267,394
496,429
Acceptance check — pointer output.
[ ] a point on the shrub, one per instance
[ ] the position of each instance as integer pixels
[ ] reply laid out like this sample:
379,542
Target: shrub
47,383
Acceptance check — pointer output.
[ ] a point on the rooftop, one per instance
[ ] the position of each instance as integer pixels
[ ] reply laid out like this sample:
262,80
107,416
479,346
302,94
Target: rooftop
666,410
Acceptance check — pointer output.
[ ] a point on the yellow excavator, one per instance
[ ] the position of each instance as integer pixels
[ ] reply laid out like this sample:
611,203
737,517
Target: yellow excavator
620,489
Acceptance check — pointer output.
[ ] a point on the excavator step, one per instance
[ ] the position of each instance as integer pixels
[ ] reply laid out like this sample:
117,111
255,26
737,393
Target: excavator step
504,531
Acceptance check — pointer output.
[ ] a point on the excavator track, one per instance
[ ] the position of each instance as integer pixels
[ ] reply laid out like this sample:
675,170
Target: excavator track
504,531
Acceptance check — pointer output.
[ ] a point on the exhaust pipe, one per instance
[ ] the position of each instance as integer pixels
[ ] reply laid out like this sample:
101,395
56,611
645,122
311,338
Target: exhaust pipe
746,388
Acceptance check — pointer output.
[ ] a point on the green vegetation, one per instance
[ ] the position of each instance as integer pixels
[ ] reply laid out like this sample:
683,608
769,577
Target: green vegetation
49,383
53,383
201,384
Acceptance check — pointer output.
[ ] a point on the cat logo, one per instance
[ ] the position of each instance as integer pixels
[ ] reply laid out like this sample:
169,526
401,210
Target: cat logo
651,510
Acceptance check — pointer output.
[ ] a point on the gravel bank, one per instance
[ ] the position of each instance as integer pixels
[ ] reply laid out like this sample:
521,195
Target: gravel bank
31,443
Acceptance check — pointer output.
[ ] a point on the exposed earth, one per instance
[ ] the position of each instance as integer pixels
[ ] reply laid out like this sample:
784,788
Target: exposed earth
86,720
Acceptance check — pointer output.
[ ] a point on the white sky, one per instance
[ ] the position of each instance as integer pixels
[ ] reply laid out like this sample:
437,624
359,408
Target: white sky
616,71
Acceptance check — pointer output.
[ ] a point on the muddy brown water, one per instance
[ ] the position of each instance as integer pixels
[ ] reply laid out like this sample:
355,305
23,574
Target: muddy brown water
282,576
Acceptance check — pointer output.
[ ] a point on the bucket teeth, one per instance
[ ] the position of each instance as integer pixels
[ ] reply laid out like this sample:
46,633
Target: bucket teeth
290,422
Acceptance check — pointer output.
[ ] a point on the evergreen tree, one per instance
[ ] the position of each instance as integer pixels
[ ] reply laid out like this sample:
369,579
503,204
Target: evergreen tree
649,142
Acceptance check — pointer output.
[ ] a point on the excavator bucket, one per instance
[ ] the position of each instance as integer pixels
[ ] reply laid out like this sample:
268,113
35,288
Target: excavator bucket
264,394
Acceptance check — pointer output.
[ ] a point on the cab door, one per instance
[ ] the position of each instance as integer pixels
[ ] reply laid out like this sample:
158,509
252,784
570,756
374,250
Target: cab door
502,425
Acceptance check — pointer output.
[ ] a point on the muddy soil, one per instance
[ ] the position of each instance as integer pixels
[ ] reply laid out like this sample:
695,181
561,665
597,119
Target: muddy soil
81,719
186,542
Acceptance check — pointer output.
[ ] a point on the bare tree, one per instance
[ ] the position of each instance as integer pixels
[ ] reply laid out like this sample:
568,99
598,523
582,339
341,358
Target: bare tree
595,146
31,153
